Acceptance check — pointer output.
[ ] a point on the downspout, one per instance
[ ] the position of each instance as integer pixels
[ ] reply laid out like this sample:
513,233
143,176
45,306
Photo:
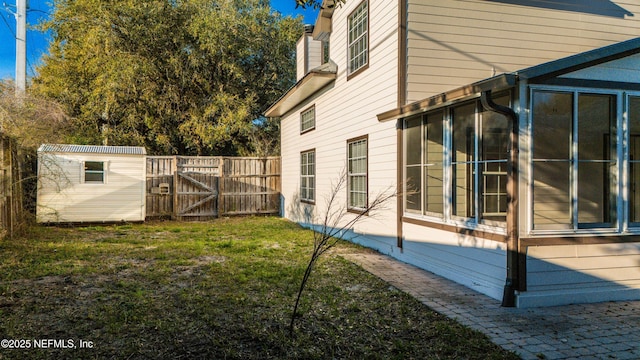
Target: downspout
512,282
401,100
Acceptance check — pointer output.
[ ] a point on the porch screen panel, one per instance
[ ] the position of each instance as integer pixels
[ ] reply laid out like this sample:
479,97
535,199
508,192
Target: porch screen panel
552,135
634,160
493,163
433,169
596,159
463,160
413,164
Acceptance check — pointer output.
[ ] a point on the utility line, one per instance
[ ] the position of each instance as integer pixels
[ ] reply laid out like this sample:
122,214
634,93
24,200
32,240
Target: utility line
13,33
28,11
9,27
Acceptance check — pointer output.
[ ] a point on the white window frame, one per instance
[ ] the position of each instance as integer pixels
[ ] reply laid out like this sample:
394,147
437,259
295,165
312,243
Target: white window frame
620,189
625,171
308,176
352,176
308,119
475,168
86,171
326,51
358,39
424,166
475,222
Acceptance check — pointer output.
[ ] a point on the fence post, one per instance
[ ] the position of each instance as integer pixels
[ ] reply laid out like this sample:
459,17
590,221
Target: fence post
174,207
221,186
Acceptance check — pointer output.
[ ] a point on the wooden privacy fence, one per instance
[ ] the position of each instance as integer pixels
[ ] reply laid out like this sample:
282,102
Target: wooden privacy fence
201,188
10,187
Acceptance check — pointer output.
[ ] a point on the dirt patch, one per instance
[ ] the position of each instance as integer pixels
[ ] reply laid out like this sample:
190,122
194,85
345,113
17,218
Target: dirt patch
206,260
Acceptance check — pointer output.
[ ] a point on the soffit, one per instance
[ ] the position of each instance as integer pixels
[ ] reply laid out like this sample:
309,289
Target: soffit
312,82
495,83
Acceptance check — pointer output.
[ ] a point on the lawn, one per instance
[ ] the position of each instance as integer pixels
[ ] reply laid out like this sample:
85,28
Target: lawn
216,290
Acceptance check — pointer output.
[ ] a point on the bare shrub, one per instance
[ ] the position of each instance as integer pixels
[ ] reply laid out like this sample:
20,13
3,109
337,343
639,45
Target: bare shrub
336,221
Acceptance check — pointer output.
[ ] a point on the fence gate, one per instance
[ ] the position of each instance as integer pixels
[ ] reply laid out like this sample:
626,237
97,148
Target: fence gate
200,188
197,195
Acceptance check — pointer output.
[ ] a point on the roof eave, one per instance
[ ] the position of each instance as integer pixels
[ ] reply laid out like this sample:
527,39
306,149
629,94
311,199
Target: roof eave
495,83
322,28
582,60
311,83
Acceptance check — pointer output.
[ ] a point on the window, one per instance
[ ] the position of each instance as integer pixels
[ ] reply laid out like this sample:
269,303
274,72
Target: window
358,52
357,173
634,160
308,119
463,161
479,160
583,174
574,160
424,151
94,172
308,176
326,57
494,150
464,178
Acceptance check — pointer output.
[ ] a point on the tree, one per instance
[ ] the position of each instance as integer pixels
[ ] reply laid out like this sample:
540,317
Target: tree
30,120
336,221
317,4
27,122
175,76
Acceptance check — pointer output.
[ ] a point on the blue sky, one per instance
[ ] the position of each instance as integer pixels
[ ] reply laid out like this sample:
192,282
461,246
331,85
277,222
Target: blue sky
37,42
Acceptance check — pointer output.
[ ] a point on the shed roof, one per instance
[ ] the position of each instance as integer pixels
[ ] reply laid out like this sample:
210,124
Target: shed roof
92,149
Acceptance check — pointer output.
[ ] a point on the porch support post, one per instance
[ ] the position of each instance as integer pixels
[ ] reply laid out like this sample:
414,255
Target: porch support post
400,186
401,101
512,282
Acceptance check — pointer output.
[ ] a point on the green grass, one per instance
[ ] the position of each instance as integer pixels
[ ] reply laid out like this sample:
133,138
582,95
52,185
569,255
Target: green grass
216,290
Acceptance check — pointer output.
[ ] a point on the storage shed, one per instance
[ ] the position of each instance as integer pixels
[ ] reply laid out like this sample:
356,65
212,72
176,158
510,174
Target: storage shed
86,183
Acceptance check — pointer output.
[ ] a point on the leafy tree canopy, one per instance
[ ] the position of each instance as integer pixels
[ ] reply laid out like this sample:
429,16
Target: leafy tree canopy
317,4
30,120
176,76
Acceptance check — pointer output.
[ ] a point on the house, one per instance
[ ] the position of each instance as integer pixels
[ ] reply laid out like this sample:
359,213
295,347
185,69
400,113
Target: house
81,183
510,128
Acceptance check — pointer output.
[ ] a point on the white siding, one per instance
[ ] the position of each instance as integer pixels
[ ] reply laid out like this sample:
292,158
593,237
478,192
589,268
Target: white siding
479,264
450,44
624,70
454,43
63,197
301,67
348,109
308,55
314,54
559,275
345,110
